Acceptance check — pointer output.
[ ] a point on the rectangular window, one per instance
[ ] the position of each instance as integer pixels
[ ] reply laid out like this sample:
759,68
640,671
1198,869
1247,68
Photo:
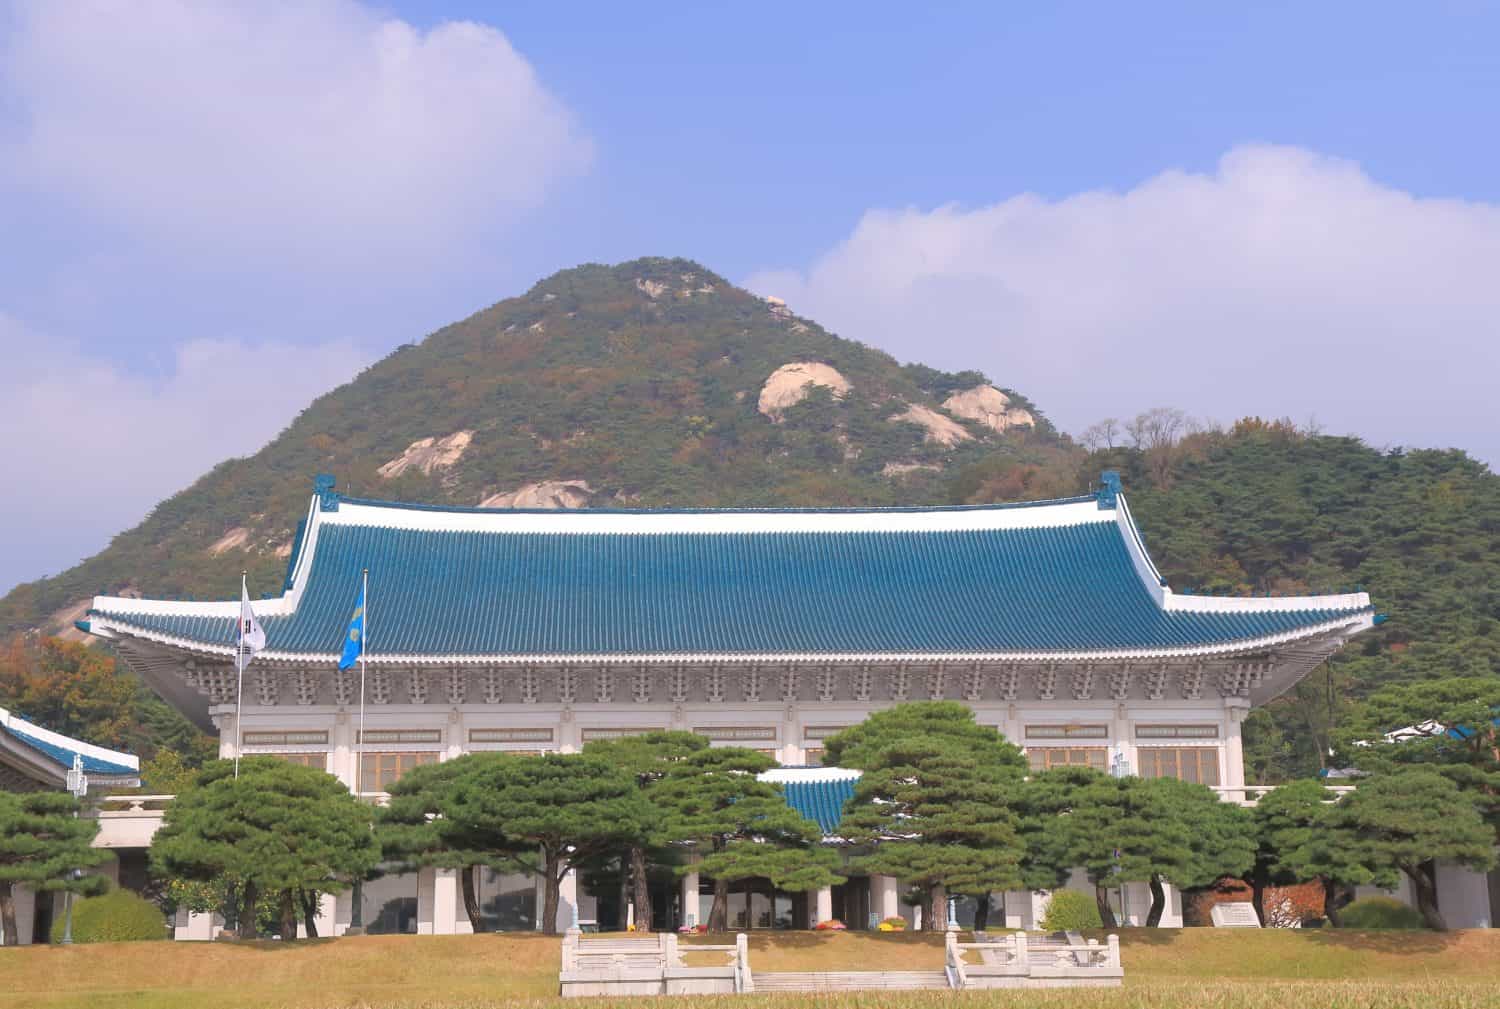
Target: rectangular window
821,731
400,736
1176,732
1067,731
1199,764
737,733
299,738
379,770
1043,757
812,756
318,760
541,735
589,735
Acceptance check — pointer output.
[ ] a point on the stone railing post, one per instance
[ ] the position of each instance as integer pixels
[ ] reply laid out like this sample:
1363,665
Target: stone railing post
742,961
670,954
1113,957
1023,955
570,949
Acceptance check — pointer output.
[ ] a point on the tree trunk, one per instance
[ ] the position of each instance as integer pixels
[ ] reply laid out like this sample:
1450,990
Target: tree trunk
1424,882
1158,902
642,889
247,912
718,911
12,935
552,889
288,915
471,897
1258,896
624,892
310,912
982,912
357,906
937,901
1336,897
1106,913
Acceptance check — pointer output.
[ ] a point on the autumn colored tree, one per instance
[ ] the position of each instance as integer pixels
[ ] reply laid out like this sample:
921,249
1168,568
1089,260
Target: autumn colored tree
69,688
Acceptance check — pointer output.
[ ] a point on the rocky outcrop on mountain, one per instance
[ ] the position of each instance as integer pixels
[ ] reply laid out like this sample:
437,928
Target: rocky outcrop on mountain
234,539
938,428
428,454
788,386
984,404
546,494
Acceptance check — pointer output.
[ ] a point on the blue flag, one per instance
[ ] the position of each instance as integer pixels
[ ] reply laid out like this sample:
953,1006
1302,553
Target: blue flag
354,640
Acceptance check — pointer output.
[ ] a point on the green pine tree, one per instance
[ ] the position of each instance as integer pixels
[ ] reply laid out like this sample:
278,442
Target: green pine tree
567,808
287,832
741,825
1299,838
42,841
649,757
1411,819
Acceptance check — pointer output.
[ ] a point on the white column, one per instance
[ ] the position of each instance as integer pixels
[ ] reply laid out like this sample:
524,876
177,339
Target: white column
445,902
327,916
426,897
341,746
690,884
224,722
567,901
823,904
1235,709
884,899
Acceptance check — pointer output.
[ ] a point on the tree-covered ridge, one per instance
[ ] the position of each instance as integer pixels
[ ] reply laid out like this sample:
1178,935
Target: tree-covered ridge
641,380
1267,508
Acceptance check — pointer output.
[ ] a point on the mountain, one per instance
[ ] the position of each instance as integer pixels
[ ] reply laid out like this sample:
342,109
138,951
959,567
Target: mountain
656,383
649,384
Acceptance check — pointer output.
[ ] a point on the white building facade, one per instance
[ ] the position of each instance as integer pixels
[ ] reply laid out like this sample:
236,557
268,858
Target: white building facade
531,631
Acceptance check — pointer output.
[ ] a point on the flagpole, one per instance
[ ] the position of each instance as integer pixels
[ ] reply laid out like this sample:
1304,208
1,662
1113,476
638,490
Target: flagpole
239,664
364,635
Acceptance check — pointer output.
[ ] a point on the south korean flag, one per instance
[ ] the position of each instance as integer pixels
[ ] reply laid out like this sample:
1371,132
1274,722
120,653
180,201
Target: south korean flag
252,637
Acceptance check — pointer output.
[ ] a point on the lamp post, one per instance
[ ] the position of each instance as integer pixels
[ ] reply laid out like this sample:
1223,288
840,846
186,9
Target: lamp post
78,784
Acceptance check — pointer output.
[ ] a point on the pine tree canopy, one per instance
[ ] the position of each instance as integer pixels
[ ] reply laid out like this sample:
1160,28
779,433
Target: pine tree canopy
279,825
859,746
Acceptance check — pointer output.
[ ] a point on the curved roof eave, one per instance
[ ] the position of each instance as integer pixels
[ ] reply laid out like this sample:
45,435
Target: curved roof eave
1350,624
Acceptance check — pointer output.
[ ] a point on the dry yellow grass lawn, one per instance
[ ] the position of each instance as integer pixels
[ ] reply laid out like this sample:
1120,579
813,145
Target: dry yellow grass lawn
1169,969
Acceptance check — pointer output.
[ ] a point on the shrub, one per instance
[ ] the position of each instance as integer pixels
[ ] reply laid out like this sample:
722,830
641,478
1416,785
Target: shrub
893,925
831,925
1071,911
117,916
1380,912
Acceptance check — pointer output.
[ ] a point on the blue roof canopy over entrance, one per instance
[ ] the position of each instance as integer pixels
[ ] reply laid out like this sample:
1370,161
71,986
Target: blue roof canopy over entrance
1063,579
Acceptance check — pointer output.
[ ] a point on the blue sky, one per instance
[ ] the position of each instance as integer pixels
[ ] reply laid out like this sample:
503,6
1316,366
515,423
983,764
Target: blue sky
213,212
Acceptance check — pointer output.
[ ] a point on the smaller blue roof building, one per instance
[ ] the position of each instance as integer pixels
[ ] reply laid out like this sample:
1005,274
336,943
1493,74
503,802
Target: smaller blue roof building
33,758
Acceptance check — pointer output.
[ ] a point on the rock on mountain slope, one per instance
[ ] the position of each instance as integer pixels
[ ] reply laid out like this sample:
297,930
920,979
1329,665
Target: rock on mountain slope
651,383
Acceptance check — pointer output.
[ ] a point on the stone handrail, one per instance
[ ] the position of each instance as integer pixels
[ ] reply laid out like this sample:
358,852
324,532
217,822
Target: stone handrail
1011,959
134,805
1249,795
643,964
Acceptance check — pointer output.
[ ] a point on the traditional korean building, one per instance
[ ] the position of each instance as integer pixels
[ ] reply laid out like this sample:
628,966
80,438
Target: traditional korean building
36,759
527,631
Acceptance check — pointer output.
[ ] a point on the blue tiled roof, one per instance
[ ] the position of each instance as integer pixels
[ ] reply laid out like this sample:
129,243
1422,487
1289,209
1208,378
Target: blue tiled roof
820,801
1065,588
62,755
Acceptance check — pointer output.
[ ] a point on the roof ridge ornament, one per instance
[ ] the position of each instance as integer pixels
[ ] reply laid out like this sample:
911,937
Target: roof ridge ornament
328,498
1108,494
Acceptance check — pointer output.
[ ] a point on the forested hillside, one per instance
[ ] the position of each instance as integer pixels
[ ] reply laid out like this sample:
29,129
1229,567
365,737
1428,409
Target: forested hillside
656,383
645,384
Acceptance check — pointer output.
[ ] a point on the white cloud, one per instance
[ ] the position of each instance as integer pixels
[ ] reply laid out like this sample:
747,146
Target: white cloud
1282,284
318,133
88,449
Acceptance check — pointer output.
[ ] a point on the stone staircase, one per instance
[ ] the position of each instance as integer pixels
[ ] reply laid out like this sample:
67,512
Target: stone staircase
853,980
